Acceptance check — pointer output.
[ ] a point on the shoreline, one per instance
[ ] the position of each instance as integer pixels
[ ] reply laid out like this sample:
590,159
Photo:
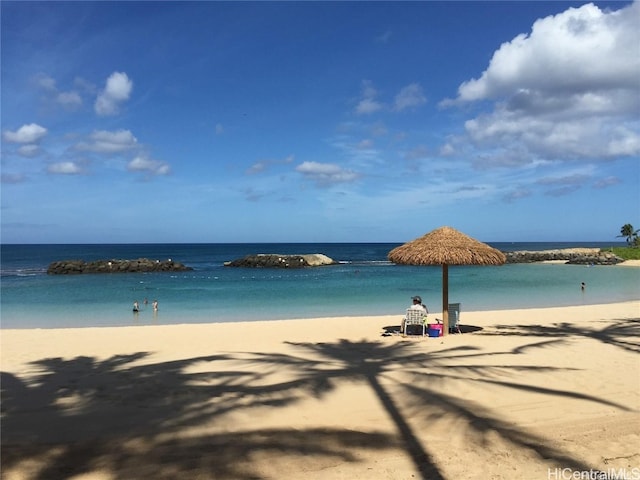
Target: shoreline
204,320
522,392
433,314
629,263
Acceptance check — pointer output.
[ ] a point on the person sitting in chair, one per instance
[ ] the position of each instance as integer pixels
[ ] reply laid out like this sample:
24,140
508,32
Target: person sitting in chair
417,305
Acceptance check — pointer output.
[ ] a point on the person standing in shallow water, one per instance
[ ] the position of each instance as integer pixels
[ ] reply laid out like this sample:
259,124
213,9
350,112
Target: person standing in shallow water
136,307
155,305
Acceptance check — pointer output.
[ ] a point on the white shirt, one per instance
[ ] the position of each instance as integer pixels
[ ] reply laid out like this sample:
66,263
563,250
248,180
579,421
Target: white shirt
418,306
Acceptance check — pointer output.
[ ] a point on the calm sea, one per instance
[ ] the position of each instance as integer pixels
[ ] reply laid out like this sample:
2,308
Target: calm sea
364,283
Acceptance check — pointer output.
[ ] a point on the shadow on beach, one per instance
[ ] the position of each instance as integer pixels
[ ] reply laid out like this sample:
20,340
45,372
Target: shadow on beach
397,330
174,419
622,333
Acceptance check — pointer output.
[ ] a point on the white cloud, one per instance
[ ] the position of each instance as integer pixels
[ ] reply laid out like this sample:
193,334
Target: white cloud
69,100
262,165
257,167
64,168
368,104
410,96
581,49
362,154
326,173
153,167
606,182
591,137
45,82
447,150
567,90
624,143
103,141
29,150
25,134
117,90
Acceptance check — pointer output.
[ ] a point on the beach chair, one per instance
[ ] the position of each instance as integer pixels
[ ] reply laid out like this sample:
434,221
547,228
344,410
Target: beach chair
415,317
454,317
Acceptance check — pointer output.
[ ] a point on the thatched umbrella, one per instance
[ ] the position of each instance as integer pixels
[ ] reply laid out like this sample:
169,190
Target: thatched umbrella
446,246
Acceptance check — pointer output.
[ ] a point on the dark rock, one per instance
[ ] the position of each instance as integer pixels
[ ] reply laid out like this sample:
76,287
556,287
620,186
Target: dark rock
577,256
265,260
71,267
604,258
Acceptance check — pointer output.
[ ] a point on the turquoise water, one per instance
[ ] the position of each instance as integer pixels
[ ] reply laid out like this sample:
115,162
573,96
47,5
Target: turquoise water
364,283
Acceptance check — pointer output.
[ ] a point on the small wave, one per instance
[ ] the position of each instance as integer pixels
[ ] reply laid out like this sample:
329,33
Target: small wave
22,272
366,262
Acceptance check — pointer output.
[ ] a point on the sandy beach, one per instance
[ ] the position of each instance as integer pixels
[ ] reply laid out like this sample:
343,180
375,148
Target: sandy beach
521,394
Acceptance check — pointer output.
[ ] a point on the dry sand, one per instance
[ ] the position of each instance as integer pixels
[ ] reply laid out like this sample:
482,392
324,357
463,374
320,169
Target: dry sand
522,394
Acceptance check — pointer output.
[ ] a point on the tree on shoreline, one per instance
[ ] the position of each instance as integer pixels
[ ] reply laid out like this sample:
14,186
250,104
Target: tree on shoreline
630,234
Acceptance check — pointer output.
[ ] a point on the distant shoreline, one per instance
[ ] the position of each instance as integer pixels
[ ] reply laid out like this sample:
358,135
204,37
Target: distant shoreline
574,250
626,263
629,263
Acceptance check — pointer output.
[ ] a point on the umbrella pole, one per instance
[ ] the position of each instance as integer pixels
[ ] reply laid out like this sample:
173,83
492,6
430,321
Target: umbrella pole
445,299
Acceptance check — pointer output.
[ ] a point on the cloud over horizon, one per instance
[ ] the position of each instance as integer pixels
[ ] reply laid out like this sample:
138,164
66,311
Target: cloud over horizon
567,90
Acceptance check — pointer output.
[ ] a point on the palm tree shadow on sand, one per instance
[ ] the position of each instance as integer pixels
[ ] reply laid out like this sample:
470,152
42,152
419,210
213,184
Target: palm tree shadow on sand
372,362
127,417
622,333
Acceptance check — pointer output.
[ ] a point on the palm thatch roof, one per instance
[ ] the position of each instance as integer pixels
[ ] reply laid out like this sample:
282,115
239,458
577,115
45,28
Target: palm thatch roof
446,246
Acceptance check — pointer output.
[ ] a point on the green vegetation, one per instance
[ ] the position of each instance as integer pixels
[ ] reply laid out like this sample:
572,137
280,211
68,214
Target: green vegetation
628,253
632,252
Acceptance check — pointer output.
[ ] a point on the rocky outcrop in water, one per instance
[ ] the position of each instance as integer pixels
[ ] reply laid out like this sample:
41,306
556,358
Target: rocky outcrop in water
272,260
72,267
578,256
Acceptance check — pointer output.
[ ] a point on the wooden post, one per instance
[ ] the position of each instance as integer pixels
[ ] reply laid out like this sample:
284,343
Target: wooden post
445,299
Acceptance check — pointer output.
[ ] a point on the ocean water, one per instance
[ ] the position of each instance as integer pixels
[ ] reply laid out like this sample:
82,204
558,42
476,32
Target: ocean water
364,283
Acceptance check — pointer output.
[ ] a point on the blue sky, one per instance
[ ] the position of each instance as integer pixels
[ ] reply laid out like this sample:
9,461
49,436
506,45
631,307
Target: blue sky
319,121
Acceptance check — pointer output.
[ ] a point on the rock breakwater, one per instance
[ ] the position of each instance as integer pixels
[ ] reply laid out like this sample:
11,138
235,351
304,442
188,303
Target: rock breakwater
272,260
74,267
578,256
